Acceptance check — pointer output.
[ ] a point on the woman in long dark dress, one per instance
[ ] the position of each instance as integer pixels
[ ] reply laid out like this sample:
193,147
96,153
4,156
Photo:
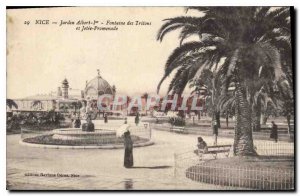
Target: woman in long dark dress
128,157
105,118
137,119
274,132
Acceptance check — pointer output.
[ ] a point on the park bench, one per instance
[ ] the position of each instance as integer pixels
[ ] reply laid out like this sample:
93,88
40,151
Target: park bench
213,150
177,129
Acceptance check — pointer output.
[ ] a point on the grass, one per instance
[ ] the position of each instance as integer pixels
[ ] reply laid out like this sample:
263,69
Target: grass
262,172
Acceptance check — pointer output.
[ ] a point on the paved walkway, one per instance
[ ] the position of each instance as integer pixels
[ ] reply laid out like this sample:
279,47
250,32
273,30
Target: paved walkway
99,168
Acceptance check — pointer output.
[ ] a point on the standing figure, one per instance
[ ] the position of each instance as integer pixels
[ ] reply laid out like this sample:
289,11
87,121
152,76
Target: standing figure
274,132
125,121
82,110
86,110
128,157
77,122
105,118
215,131
137,119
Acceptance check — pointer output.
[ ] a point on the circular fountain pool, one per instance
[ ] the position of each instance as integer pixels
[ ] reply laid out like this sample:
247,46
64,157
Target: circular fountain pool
106,138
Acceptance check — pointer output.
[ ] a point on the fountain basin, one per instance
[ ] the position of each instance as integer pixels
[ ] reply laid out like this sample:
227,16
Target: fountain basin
78,134
104,137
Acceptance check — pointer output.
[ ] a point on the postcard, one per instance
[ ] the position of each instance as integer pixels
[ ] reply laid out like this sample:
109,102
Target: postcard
150,98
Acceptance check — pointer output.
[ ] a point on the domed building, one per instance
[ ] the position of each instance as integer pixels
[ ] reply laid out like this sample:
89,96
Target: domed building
64,98
98,86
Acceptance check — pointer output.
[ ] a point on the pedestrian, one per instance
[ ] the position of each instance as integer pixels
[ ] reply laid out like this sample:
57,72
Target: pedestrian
125,121
105,118
77,122
215,131
137,119
274,132
128,156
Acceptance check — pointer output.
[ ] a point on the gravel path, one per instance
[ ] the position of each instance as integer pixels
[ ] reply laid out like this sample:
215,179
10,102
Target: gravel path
37,168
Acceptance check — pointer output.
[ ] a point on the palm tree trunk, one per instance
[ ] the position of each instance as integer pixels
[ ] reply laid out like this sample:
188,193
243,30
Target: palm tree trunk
288,119
243,141
227,116
217,114
256,115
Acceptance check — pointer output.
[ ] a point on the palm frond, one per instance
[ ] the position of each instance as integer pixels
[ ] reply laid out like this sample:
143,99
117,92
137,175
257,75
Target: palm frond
36,102
11,103
189,54
175,23
225,102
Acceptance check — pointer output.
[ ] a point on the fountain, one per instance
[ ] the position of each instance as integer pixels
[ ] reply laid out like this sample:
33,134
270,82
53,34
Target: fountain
106,136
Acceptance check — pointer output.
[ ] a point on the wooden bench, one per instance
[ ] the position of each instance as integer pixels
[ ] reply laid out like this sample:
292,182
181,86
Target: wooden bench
214,150
177,129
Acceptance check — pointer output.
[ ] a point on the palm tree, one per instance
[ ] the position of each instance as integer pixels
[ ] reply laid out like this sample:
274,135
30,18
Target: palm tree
145,96
76,105
208,84
11,103
226,104
285,100
262,102
241,45
37,103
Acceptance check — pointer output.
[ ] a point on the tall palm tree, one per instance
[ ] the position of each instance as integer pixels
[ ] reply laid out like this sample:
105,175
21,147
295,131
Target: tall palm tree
208,84
226,104
241,45
262,102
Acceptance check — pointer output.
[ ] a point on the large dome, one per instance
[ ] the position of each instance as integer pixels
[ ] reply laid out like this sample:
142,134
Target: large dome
97,86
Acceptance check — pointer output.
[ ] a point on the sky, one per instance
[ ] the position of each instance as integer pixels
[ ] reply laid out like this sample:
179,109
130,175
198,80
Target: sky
39,57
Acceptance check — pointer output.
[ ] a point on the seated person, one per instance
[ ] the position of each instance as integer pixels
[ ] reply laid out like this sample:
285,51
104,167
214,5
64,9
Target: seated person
88,126
201,145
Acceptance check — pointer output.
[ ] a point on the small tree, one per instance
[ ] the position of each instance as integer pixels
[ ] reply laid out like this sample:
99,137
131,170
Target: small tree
11,103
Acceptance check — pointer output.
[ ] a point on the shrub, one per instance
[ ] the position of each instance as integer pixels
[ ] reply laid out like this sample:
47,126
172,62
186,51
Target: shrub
177,121
42,121
13,123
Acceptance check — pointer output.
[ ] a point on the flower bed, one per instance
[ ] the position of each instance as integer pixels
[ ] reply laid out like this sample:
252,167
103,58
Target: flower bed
262,173
49,140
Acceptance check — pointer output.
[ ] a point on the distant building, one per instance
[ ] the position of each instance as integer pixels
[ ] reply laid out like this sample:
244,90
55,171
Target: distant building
65,96
96,87
66,100
65,88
